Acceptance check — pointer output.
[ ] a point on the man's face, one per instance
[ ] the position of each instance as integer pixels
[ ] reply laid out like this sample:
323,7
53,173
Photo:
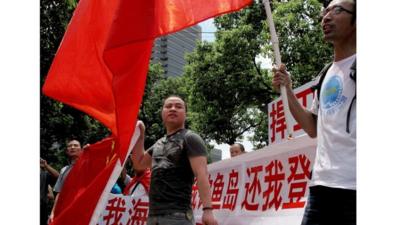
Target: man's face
235,150
337,21
73,149
174,112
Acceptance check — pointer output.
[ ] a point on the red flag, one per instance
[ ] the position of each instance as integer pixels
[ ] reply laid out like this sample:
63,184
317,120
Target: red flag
102,62
84,182
143,178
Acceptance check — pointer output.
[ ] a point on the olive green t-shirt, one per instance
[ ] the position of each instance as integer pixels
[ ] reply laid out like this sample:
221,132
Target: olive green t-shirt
172,176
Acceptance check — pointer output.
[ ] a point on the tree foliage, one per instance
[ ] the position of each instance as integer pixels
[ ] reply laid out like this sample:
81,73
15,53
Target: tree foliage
221,82
228,89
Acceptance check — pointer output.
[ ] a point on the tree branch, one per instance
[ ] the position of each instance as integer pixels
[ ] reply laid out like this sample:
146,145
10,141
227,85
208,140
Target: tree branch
259,72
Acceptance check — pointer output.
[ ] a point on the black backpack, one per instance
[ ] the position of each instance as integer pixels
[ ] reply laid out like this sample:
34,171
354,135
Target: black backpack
321,77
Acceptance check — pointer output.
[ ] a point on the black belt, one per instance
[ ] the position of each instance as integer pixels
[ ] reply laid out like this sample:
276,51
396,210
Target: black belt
188,215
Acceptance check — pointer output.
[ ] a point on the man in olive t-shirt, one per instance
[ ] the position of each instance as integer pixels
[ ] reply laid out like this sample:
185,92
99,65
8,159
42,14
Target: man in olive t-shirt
175,160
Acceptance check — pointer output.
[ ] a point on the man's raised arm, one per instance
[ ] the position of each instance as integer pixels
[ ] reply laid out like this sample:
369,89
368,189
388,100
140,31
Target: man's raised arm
141,159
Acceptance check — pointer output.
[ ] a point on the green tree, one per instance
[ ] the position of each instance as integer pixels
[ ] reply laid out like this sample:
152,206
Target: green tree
228,89
226,86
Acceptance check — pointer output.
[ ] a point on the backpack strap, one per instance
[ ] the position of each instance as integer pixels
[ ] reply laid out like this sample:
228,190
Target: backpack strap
353,73
321,76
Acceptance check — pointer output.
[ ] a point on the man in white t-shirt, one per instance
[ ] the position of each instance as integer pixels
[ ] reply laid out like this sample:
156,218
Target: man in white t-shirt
332,119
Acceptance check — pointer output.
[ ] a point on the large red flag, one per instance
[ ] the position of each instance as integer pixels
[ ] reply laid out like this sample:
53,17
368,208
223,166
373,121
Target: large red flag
102,62
96,160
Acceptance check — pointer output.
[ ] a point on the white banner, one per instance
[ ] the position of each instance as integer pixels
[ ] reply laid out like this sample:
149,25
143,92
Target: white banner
276,118
267,186
125,210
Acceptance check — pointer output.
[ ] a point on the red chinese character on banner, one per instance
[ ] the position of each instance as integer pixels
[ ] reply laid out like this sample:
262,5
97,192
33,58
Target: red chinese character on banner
302,97
195,192
217,191
138,215
278,123
232,191
253,188
272,116
298,181
210,181
115,209
274,178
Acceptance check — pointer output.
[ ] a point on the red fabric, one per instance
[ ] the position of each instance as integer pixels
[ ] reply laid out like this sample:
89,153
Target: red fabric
85,183
159,17
101,65
109,90
143,178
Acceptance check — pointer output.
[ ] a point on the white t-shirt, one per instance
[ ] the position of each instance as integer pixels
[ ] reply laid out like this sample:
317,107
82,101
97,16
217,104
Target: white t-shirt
335,162
61,178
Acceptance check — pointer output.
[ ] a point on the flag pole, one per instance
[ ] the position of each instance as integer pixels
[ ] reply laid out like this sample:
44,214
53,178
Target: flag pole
277,54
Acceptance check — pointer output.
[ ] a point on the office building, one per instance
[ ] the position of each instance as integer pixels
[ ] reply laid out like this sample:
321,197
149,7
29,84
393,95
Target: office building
170,50
215,155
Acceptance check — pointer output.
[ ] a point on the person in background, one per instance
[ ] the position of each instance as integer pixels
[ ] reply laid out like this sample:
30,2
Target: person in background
48,176
116,189
73,152
236,149
124,177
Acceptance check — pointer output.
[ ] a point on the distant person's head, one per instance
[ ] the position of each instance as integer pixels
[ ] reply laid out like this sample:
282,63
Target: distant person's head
236,149
173,112
74,149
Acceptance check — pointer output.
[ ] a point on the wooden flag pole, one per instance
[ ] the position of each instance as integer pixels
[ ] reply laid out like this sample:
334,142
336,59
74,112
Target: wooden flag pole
278,62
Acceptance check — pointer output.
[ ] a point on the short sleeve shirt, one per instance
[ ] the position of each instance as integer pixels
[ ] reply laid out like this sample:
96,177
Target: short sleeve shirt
335,162
172,176
63,174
